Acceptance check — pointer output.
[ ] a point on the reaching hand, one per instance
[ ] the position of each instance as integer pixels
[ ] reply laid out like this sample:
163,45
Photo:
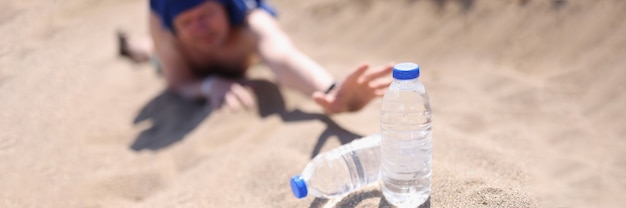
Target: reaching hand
228,91
356,91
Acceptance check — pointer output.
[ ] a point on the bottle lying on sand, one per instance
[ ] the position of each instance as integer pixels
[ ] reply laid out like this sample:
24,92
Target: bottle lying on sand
340,171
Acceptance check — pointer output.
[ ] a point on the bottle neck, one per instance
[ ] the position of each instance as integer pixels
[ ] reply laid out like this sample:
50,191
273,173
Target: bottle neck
406,80
407,84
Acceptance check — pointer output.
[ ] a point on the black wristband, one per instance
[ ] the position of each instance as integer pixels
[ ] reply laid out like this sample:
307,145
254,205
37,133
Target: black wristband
332,86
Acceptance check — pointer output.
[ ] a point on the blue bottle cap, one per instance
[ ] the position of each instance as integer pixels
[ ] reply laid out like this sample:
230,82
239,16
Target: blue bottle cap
406,71
298,187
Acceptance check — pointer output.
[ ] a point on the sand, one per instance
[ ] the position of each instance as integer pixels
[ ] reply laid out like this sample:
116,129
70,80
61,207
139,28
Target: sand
528,99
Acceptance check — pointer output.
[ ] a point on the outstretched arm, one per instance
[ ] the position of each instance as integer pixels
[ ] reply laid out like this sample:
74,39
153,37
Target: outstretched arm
296,70
293,68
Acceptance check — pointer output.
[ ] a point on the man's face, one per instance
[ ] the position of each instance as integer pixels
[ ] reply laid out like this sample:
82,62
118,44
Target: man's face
204,27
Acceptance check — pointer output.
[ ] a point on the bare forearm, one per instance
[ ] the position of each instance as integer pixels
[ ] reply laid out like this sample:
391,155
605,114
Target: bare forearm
176,73
181,81
296,70
292,67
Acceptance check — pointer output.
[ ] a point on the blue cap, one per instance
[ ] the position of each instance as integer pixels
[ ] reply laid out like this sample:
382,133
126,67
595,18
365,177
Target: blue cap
237,10
298,187
168,10
406,71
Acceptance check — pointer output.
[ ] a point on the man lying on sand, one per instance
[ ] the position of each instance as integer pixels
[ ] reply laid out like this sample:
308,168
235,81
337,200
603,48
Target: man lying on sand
205,47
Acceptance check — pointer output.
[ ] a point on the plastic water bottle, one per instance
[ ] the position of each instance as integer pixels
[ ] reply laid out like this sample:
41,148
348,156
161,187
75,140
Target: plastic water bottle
406,145
340,171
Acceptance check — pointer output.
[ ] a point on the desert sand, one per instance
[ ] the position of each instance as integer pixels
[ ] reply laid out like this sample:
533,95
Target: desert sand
528,97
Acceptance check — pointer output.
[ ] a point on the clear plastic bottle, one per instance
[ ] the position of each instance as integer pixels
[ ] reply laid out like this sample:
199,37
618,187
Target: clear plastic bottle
406,145
341,170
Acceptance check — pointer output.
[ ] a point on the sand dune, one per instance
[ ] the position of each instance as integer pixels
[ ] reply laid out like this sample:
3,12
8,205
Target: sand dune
528,101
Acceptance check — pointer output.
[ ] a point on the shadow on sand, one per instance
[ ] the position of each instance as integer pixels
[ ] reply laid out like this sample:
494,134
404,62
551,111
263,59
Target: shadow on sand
355,199
173,117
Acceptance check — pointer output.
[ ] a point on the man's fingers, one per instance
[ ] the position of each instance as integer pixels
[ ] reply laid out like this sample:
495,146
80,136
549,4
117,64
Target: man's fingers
381,83
243,95
321,99
380,92
359,71
232,101
385,71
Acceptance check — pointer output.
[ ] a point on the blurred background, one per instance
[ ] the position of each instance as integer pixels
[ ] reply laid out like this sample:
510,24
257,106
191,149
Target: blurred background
528,100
